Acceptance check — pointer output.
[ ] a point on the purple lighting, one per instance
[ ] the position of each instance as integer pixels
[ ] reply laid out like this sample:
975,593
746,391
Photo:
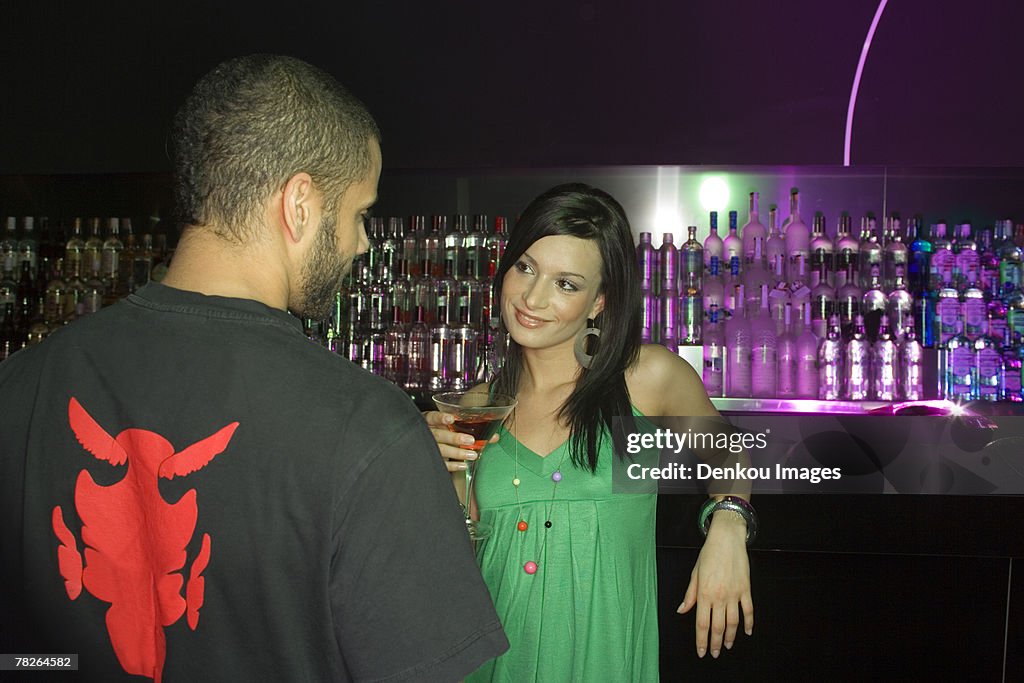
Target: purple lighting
856,79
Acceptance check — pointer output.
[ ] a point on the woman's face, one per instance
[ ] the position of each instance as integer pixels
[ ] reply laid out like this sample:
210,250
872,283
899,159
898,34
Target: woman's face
548,294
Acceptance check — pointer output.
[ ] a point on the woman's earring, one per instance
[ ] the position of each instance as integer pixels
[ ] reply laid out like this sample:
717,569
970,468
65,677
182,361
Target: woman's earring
580,347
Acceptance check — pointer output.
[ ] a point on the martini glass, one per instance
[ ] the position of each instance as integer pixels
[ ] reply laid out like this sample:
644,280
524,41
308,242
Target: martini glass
478,414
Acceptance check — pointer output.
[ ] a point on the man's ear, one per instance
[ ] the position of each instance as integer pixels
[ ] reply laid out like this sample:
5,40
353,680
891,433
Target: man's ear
297,199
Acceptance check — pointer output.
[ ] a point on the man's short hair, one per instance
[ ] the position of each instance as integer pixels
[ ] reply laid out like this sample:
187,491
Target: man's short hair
254,122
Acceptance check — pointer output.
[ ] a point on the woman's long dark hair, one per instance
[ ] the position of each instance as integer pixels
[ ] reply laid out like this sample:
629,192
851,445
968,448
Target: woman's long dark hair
600,394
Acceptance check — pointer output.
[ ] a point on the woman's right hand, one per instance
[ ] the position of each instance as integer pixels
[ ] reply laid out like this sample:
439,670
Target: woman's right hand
451,444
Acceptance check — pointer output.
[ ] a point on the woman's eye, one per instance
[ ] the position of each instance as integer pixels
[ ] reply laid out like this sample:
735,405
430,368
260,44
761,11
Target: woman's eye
522,266
567,286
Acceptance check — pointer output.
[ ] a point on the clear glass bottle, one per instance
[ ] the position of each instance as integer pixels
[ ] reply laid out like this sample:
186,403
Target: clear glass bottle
958,367
807,373
28,244
668,318
940,271
974,310
9,247
714,354
732,243
738,342
496,243
848,301
788,358
857,363
884,364
989,368
764,350
692,256
798,236
895,256
911,362
647,263
1013,354
822,253
92,254
1009,254
919,258
873,306
900,308
847,252
753,230
714,288
948,315
830,363
713,245
668,263
870,254
988,267
755,277
966,260
823,302
775,247
73,249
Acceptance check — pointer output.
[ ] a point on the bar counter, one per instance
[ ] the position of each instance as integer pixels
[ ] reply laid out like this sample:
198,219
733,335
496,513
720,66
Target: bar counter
901,578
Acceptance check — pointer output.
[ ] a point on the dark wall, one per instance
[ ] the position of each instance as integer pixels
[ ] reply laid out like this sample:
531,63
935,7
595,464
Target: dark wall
478,84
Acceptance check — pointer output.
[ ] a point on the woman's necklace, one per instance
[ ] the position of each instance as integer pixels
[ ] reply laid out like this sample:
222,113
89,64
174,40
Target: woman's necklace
532,566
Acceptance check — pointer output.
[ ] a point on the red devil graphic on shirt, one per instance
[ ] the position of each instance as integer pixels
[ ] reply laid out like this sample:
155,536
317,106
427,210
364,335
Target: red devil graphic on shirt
134,540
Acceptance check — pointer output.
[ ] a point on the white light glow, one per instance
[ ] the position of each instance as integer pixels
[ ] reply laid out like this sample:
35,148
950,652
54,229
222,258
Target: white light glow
714,194
667,219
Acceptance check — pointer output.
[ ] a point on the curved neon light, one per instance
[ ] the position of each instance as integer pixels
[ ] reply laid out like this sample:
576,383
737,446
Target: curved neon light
856,79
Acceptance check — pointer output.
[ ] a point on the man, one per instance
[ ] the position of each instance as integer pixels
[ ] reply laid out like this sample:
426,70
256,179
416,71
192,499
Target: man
189,489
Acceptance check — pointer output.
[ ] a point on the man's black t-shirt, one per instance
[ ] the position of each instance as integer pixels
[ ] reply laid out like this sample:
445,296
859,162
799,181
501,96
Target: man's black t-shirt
191,489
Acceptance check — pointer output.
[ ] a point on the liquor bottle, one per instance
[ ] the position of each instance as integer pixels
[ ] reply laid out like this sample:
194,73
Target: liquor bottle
454,242
1013,354
713,245
800,293
440,345
974,310
1009,254
414,236
822,253
830,363
988,266
807,359
900,308
873,305
431,249
847,252
74,248
8,290
714,288
647,263
989,368
895,257
496,246
650,329
786,352
1015,312
857,363
884,364
779,298
911,359
966,261
92,254
996,313
957,365
462,357
111,260
940,270
764,350
9,342
668,318
755,277
474,249
919,258
56,300
126,263
870,252
848,301
142,263
692,256
28,245
74,294
798,236
823,302
738,343
668,263
692,303
9,247
775,247
948,315
753,230
714,354
419,354
732,244
733,278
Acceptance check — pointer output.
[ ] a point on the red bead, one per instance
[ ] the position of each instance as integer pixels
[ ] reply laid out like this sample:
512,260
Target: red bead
530,567
522,526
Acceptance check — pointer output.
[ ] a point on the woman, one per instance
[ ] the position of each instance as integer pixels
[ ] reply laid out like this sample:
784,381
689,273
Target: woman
570,565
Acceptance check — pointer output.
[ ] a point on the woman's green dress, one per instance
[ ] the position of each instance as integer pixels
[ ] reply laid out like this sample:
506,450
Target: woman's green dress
589,613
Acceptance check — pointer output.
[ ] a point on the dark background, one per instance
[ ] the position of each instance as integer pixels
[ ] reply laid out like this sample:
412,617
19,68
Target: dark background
90,88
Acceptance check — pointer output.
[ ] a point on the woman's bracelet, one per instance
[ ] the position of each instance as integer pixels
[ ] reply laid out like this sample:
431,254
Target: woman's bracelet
734,504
